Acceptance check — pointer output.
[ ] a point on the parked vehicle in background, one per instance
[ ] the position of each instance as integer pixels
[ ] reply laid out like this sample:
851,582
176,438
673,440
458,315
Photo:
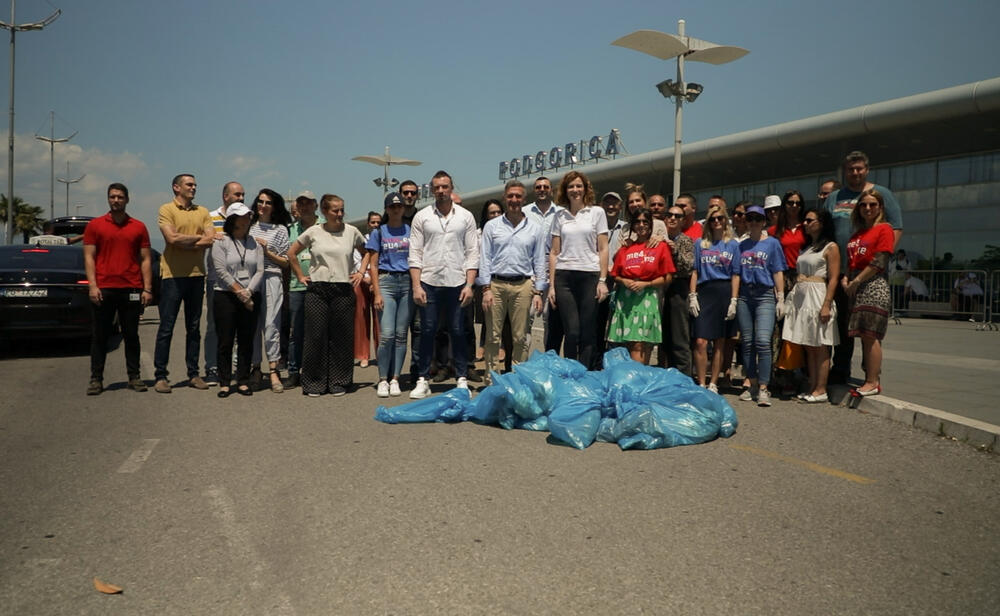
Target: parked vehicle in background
43,292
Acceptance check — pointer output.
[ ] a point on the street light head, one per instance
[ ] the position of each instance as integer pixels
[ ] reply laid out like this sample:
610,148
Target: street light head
378,181
666,88
693,90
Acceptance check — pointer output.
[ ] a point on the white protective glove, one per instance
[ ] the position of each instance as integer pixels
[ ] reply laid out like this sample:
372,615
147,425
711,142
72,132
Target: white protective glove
731,312
693,306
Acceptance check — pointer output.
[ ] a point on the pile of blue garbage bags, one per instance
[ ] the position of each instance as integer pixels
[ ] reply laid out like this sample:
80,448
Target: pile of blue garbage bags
636,406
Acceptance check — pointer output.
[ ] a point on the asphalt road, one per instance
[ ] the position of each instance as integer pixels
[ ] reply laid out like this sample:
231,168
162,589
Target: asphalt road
282,504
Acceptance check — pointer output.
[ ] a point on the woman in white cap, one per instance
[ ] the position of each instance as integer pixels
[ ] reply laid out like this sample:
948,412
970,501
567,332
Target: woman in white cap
238,261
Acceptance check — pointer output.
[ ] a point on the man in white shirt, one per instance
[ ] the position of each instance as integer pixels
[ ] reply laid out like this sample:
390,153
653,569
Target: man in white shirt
542,212
444,259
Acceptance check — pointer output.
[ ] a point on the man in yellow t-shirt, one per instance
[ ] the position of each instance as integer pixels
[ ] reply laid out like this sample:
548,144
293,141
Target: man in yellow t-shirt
188,231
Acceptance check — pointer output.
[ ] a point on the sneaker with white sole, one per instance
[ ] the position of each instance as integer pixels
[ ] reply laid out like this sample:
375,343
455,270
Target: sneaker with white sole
382,391
747,395
394,388
421,390
462,383
712,387
764,397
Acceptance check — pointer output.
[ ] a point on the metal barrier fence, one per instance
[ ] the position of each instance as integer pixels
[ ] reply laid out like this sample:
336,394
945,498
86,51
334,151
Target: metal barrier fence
966,295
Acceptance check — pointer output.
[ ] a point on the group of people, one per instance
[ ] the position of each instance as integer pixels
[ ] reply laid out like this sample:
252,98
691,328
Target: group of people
596,275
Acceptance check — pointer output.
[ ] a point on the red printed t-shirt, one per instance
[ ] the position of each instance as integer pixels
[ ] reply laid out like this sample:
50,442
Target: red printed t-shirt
639,262
866,243
792,241
117,259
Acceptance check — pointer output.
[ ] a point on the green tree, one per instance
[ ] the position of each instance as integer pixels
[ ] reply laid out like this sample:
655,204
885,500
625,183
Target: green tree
28,219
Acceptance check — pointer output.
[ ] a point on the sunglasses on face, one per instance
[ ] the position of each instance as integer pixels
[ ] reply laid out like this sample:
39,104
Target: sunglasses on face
739,214
809,220
674,215
717,219
868,205
409,192
795,203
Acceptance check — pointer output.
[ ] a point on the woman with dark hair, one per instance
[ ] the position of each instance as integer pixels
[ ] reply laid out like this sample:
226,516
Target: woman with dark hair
740,220
788,231
638,272
715,287
388,248
867,284
270,229
491,209
810,314
238,261
365,318
327,363
578,266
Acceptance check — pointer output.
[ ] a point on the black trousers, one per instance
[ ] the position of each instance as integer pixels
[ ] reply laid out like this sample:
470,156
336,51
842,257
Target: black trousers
577,302
675,351
116,301
843,353
233,322
328,352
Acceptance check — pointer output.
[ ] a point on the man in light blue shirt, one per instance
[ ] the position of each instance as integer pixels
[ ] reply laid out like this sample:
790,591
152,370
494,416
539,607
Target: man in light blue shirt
542,212
511,253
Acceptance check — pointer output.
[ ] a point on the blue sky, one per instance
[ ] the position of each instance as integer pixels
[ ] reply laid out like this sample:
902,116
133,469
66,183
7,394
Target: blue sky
282,95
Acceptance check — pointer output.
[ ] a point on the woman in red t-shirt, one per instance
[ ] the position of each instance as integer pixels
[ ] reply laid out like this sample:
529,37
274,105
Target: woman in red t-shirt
638,270
788,231
868,253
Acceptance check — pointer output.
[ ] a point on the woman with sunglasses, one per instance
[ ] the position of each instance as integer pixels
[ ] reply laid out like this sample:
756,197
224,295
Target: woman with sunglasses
715,287
811,318
270,229
867,285
788,231
638,271
388,248
578,266
762,297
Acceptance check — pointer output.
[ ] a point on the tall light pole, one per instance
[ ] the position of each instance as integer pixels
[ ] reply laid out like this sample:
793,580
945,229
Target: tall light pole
52,141
384,162
67,182
15,27
666,46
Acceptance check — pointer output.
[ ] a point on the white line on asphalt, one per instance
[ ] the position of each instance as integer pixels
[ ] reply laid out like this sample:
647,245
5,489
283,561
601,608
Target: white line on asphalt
224,510
139,456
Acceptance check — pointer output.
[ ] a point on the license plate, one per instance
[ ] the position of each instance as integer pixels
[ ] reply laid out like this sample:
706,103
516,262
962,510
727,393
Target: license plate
25,292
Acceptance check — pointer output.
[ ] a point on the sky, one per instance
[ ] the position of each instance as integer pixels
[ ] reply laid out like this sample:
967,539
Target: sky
283,95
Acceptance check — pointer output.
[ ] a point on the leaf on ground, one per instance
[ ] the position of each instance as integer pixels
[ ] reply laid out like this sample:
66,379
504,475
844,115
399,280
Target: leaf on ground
108,589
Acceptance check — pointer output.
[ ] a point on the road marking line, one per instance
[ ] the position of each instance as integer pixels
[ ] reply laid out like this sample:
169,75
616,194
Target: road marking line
224,509
139,456
805,464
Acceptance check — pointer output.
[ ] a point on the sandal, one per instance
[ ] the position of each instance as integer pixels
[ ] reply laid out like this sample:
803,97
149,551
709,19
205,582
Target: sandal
224,392
870,392
276,387
243,390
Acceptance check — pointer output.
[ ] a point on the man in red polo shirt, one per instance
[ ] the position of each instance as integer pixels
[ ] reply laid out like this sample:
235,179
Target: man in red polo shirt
120,274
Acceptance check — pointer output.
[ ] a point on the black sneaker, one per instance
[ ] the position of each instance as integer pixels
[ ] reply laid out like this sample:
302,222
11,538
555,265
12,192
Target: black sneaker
292,380
337,390
136,384
95,387
441,376
212,378
474,376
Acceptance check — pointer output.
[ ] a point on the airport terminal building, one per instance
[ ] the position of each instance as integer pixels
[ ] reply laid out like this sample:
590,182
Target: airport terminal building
939,152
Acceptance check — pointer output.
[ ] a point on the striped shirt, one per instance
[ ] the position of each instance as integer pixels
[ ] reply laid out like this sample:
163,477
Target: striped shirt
276,237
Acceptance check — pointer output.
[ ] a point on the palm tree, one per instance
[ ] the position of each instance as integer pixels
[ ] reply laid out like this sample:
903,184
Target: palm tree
27,218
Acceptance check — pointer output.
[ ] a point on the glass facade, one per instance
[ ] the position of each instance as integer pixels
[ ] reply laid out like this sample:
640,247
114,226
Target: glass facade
951,206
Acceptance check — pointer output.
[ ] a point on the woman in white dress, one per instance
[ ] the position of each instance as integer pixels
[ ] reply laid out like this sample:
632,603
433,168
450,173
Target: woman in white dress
810,314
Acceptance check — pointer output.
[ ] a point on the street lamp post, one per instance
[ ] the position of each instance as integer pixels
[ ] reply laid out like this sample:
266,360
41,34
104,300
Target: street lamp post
384,162
52,141
666,46
67,182
14,28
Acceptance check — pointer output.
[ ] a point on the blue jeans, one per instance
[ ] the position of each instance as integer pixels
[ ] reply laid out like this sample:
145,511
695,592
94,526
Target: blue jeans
297,318
755,312
442,300
394,321
173,291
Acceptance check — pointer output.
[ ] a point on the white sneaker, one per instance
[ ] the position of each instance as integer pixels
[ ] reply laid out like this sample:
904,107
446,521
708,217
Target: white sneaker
382,391
747,395
764,398
421,390
394,388
712,387
462,383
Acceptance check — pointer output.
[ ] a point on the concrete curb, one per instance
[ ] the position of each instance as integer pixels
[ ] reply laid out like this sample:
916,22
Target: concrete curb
979,434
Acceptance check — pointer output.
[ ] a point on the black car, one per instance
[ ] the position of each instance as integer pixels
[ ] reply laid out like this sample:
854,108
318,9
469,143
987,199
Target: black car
43,292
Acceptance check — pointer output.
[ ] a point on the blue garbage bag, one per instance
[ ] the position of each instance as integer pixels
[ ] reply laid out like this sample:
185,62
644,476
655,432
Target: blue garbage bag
447,407
576,416
487,407
521,396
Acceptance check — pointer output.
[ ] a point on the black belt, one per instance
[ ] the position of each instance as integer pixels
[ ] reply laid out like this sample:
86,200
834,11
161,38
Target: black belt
380,272
509,278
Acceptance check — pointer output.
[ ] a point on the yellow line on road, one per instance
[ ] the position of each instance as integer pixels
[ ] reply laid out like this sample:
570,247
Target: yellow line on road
805,464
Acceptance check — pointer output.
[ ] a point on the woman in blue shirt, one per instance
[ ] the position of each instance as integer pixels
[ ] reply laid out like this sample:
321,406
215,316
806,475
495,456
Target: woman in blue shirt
762,284
388,249
715,286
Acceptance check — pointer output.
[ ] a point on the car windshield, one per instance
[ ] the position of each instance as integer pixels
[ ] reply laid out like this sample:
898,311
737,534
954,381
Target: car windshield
40,258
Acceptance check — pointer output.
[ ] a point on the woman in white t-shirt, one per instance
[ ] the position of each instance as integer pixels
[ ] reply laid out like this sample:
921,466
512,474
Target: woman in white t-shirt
328,352
578,266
